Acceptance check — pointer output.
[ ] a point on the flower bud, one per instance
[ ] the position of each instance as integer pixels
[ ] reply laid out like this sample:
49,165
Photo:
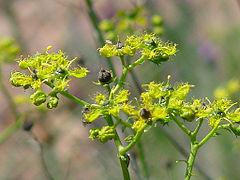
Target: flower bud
145,113
23,64
52,103
188,114
104,77
38,97
94,132
106,133
27,125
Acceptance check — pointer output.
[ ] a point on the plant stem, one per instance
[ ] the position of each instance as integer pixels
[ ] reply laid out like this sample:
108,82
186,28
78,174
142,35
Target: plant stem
74,98
118,143
134,77
134,141
43,162
142,159
94,19
69,96
125,171
11,129
124,75
119,120
194,134
181,126
194,149
191,159
210,134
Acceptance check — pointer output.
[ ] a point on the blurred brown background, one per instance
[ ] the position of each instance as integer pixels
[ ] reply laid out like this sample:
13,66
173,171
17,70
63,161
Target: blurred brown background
208,38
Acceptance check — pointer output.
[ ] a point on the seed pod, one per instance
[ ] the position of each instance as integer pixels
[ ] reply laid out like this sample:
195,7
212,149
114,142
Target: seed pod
164,57
104,77
27,125
145,113
52,103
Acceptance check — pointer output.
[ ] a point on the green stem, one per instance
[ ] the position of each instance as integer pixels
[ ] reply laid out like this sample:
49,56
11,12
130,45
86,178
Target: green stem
134,77
120,121
124,75
185,153
11,129
194,134
181,126
74,98
210,134
69,96
142,159
118,143
124,166
95,22
194,149
8,96
136,138
191,159
123,61
43,162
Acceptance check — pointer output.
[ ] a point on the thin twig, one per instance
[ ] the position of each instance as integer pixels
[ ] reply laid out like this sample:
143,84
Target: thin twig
11,129
95,22
43,162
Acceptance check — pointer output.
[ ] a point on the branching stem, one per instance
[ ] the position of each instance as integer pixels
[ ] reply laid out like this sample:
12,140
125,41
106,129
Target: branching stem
94,19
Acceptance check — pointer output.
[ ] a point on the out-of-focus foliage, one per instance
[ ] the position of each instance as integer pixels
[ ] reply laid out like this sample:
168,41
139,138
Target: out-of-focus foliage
8,49
227,91
134,21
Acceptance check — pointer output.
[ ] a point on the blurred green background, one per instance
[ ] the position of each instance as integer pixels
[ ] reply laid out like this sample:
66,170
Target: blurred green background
208,38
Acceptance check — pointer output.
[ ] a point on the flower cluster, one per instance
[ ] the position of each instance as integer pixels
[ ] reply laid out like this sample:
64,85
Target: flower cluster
104,134
149,45
105,107
53,69
160,103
